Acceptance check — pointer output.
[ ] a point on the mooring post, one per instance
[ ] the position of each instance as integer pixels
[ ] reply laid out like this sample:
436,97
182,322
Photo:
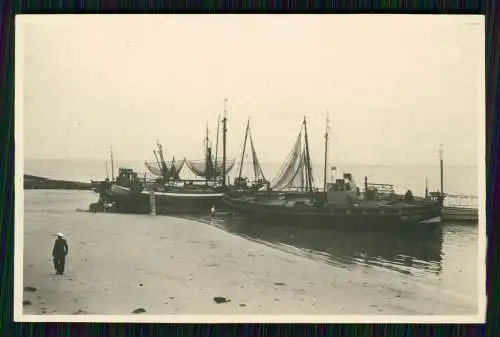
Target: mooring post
152,201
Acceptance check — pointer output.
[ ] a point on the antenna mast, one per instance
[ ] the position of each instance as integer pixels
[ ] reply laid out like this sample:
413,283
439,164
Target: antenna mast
326,150
157,160
206,140
308,159
224,130
441,167
164,168
216,149
112,165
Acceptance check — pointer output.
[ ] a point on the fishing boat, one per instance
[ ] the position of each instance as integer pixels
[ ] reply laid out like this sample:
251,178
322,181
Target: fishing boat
168,193
340,205
129,195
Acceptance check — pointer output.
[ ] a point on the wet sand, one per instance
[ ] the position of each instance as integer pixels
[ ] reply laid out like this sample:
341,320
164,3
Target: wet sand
166,265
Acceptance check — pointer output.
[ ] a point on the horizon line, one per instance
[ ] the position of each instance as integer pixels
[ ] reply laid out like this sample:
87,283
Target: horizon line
268,162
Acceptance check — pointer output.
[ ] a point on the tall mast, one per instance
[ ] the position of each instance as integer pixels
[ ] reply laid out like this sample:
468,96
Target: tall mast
157,160
441,167
160,152
112,166
206,141
244,147
216,149
107,174
224,130
173,169
326,151
207,159
308,159
164,167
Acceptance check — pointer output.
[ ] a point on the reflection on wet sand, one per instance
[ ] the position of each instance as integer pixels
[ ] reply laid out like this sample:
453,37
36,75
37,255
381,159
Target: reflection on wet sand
408,253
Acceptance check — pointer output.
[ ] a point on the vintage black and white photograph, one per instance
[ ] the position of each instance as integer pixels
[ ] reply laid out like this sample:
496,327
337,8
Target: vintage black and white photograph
195,168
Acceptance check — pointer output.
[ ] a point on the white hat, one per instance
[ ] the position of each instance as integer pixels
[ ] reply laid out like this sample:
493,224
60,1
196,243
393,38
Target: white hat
60,234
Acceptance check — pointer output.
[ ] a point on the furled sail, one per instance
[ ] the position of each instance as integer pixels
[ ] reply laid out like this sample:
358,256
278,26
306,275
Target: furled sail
257,169
259,175
293,174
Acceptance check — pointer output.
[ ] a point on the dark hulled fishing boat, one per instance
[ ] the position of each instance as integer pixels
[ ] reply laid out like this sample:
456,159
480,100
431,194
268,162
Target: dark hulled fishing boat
127,196
340,204
168,193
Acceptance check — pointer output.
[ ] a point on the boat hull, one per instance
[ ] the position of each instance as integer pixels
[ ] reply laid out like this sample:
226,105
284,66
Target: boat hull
125,200
427,216
458,214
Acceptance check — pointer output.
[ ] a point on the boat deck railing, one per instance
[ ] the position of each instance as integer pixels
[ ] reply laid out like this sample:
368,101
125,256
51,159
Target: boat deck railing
461,201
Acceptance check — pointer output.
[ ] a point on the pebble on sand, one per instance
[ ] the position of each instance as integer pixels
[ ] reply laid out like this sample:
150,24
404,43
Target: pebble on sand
139,311
219,299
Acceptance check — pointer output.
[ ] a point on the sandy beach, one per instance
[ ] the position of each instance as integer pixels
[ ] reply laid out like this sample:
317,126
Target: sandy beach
166,265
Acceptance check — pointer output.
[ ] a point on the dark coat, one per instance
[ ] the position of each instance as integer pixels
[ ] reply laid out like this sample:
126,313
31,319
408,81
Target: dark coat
60,247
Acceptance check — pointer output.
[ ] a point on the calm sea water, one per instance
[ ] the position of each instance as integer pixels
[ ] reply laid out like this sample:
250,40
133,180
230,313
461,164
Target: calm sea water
446,259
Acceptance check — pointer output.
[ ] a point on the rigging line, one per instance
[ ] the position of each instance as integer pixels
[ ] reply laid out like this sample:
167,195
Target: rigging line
239,155
217,148
244,147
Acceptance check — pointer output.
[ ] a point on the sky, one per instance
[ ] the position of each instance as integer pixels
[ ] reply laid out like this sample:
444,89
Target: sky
395,86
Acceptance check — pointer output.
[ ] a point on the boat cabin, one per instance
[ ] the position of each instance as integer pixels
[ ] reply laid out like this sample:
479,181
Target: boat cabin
128,178
343,190
245,184
434,196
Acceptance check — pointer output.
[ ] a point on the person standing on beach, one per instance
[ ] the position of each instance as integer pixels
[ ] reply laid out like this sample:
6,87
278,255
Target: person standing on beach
59,253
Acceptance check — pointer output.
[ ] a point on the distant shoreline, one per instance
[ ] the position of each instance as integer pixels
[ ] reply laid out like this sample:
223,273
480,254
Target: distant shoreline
32,182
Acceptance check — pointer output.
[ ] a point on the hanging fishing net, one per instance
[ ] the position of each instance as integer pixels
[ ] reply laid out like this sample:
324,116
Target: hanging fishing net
174,165
294,173
198,167
290,167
